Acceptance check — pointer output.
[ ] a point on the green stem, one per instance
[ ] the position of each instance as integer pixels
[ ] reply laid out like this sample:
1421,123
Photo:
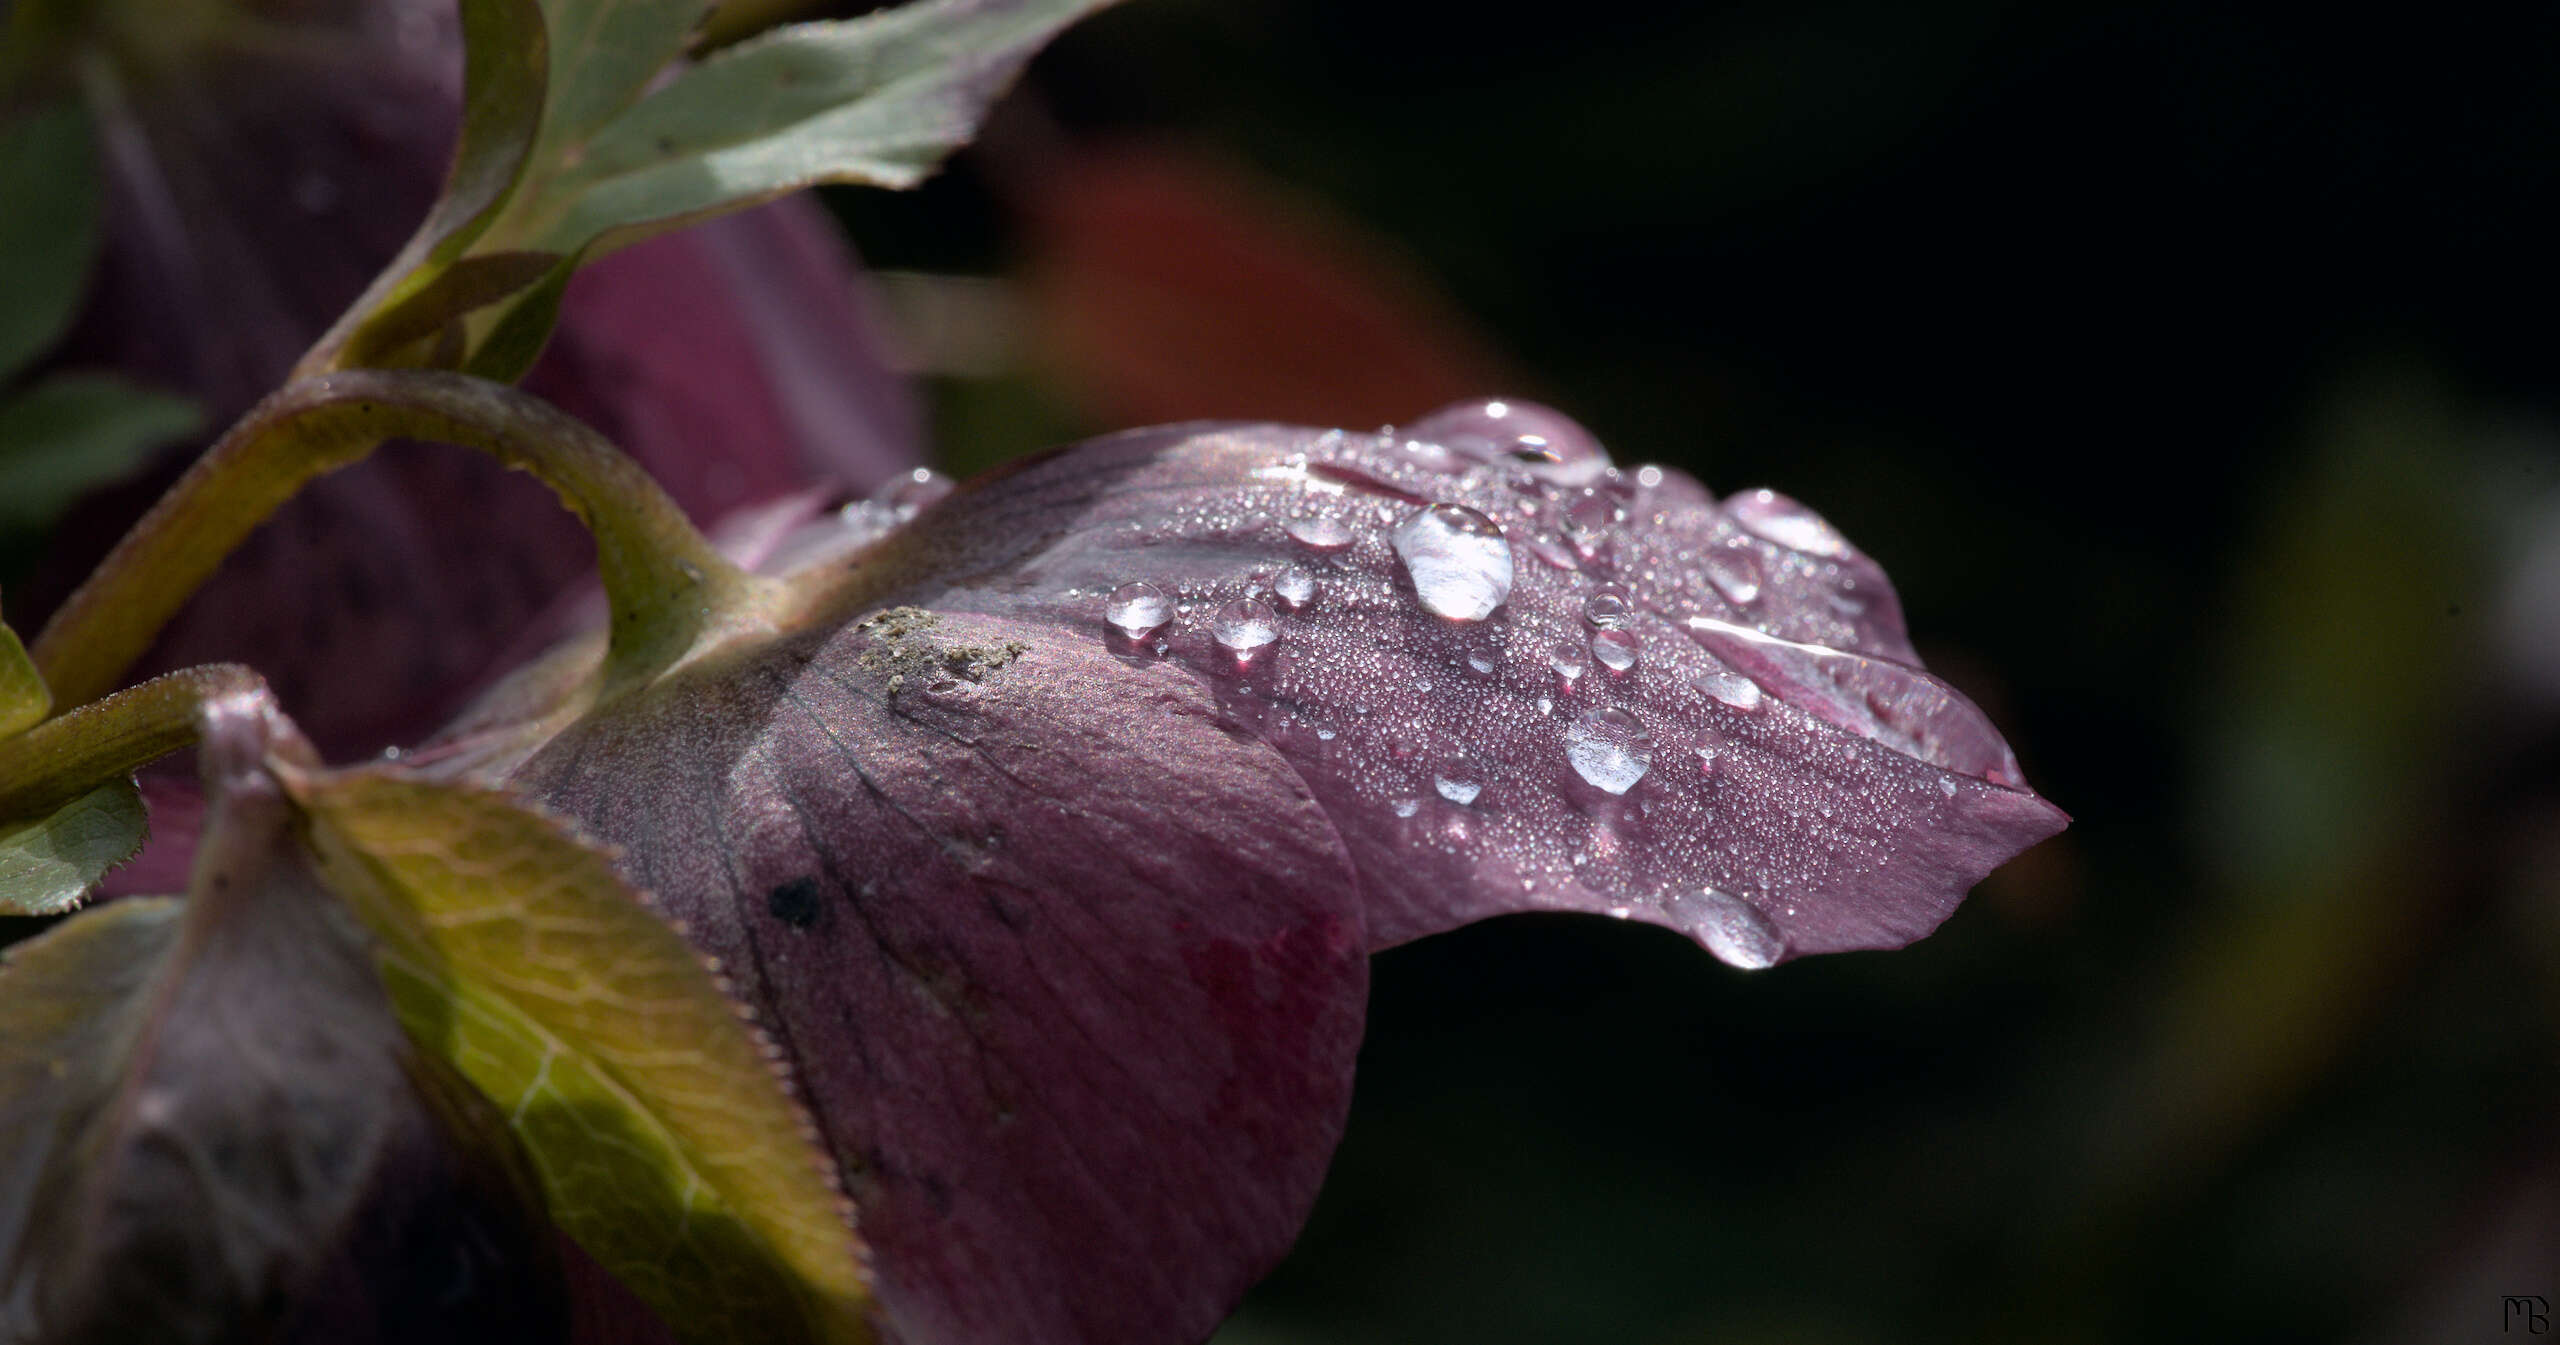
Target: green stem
67,756
666,585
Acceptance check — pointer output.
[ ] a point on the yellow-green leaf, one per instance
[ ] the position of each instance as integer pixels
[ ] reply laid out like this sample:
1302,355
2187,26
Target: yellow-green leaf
23,698
47,864
667,1142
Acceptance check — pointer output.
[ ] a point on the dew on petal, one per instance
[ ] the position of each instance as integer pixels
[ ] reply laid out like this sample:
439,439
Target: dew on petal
1294,588
1538,439
1323,534
1137,610
1736,575
1554,553
1459,780
1773,517
1885,702
912,492
1461,566
1607,608
1244,628
1615,650
1609,749
1731,928
1570,664
1731,688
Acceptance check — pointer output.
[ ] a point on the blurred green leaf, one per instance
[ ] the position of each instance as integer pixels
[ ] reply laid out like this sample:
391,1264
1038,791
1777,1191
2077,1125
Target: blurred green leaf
72,433
48,230
666,1139
47,864
23,698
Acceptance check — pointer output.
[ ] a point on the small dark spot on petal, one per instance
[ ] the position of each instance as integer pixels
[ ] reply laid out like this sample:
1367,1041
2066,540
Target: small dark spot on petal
794,903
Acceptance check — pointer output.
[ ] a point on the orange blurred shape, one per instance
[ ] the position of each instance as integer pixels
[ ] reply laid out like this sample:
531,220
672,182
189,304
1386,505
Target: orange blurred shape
1164,286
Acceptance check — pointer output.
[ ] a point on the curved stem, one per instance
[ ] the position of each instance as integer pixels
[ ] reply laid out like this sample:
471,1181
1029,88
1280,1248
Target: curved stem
67,756
666,584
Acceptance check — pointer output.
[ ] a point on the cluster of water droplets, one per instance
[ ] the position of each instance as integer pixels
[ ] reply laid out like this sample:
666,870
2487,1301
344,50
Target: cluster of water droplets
1615,615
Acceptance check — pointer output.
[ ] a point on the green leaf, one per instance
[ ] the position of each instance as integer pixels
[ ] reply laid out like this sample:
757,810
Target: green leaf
603,55
210,1118
48,229
46,865
666,1139
505,66
72,433
24,701
879,99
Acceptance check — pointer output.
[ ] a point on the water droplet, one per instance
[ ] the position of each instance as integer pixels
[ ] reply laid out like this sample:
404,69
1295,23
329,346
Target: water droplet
1617,650
912,492
1460,565
1733,689
1244,628
1407,807
1322,535
1587,522
1648,476
1773,517
1609,748
1137,610
1736,575
1431,457
1480,662
1731,928
1946,786
1539,439
1324,735
1882,701
1294,587
1570,665
1459,780
1607,608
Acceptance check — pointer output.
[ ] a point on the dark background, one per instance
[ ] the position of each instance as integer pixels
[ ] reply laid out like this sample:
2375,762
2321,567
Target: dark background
2191,370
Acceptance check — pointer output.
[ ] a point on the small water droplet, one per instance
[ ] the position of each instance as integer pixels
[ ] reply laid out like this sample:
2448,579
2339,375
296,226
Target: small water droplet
912,492
1607,608
1570,665
1773,517
1407,807
1554,553
1609,748
1648,476
1616,650
1294,588
1877,699
1460,565
1480,663
1733,689
1735,573
1587,522
1324,735
1244,628
1537,438
1323,535
1137,610
1946,786
1731,928
1459,780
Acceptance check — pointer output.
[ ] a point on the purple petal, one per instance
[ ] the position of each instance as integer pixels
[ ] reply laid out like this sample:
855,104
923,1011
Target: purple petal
1071,976
1048,854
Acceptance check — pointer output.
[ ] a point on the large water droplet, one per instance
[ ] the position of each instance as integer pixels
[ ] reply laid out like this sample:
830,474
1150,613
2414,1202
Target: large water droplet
1323,534
1609,748
1616,650
1537,439
1294,588
1773,517
1459,780
1137,610
1244,628
1733,689
1731,928
1886,702
1460,565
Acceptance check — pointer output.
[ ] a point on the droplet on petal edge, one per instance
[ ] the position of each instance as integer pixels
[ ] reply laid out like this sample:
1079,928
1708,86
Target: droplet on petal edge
1773,517
1539,440
1609,748
1137,610
1731,928
1459,563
